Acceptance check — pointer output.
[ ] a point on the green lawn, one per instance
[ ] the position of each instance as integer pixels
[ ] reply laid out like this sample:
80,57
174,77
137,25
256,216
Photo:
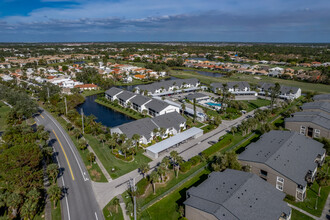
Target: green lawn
56,213
312,199
91,92
4,110
94,171
208,128
296,215
109,161
254,104
110,212
321,88
167,208
132,113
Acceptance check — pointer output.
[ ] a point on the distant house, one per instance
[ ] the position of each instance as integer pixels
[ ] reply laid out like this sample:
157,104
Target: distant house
172,122
87,87
286,92
285,159
235,195
310,123
236,88
322,98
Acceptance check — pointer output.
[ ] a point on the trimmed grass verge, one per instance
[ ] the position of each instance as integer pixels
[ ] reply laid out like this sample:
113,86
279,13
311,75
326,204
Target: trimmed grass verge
109,212
56,213
296,215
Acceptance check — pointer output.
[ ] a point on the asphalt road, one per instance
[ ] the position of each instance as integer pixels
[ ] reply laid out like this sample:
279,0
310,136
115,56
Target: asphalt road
79,200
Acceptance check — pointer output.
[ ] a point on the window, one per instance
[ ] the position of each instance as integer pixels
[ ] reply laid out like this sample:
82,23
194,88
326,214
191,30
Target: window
302,130
280,179
264,173
317,133
279,187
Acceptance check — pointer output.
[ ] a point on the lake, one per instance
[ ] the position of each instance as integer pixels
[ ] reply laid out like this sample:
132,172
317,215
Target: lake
203,73
106,116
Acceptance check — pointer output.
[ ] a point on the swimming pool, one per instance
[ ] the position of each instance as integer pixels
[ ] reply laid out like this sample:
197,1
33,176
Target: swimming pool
213,104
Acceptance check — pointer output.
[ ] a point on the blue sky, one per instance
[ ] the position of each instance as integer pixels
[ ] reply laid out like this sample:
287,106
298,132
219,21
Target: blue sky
165,20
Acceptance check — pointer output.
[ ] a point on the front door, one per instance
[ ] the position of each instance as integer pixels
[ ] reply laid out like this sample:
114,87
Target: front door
310,132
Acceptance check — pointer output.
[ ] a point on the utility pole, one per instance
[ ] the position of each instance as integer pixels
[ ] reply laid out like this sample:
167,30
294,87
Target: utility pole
133,188
48,93
82,120
66,107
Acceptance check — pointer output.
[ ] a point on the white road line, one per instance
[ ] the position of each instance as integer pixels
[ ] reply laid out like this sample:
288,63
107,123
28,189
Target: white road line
96,216
63,184
82,173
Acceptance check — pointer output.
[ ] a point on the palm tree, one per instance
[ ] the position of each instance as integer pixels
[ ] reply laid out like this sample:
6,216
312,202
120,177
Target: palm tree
55,194
233,130
166,161
183,108
144,168
14,200
76,133
102,139
29,209
136,139
112,143
176,160
162,132
153,179
161,170
52,171
122,137
82,144
155,131
91,157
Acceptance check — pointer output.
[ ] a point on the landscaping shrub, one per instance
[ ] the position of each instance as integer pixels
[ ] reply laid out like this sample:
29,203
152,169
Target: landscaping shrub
184,167
195,160
290,198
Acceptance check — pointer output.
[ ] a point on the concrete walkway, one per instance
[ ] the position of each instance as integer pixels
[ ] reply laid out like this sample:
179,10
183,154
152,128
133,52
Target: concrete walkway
104,192
123,207
90,149
302,211
97,160
326,210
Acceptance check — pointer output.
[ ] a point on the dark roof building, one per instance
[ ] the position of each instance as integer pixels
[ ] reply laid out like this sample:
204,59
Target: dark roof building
317,106
238,86
235,195
287,155
287,92
197,96
322,97
113,91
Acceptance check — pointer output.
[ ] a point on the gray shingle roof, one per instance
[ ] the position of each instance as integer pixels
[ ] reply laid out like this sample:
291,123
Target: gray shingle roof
169,120
140,100
145,126
324,106
166,84
195,96
157,105
284,89
322,97
237,195
125,95
113,91
287,152
319,118
230,85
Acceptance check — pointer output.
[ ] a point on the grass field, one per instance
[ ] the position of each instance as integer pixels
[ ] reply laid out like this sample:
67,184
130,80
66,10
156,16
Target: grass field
296,215
312,199
56,213
109,161
167,208
91,92
94,171
4,110
254,104
320,88
110,212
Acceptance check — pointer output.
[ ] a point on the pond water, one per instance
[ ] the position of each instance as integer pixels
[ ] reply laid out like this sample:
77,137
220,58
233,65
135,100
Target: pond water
105,115
203,73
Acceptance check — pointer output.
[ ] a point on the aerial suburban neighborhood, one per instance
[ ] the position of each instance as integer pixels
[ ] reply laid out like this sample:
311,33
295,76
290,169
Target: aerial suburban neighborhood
164,110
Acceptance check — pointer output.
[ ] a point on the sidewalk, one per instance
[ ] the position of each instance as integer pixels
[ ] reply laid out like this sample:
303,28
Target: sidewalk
302,211
326,210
